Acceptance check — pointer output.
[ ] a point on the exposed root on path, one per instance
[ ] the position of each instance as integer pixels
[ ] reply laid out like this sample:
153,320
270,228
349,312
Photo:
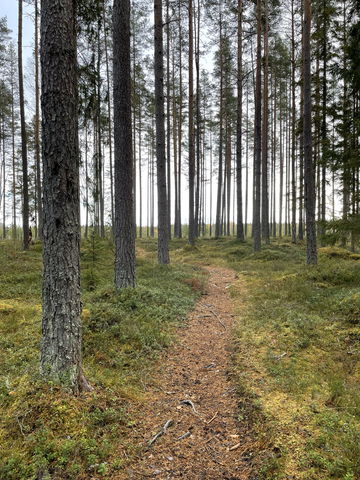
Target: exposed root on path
193,388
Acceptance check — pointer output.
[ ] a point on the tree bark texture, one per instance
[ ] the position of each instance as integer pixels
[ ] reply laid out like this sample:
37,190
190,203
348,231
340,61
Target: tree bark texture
61,326
308,161
123,158
163,230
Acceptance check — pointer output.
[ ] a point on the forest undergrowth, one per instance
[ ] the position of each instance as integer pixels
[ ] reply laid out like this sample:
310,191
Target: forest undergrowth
47,434
296,357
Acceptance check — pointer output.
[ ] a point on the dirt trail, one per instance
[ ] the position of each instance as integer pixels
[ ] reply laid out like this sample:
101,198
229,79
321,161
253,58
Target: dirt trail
193,389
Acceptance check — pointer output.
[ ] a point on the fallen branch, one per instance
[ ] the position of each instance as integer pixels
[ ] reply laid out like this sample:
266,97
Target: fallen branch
189,402
235,447
215,315
212,419
218,318
160,433
186,435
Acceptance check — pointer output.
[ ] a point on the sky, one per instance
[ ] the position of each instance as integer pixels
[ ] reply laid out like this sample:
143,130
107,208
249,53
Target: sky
9,9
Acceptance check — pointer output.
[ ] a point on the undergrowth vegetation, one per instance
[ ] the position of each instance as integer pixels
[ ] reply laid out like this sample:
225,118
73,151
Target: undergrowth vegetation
296,354
43,432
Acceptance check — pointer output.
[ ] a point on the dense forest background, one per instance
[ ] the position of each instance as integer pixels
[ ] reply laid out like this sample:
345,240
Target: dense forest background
210,115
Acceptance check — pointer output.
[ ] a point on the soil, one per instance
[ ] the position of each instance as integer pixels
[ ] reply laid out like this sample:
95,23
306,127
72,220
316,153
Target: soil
193,391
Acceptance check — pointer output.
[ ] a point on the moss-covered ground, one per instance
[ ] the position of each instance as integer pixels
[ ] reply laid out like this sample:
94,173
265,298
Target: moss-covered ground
296,357
45,433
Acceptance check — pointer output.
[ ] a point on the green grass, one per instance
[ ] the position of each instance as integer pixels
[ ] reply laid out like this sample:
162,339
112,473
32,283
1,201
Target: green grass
45,433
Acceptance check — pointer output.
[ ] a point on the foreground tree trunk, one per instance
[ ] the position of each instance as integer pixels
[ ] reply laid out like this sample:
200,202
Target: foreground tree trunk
61,326
308,161
124,199
163,230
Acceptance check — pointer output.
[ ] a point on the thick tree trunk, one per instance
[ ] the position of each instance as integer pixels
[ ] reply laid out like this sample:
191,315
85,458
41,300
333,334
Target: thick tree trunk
61,328
309,168
163,230
123,159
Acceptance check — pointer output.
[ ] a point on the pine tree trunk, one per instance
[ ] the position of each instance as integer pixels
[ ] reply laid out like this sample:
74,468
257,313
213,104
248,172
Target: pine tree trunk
123,160
257,138
192,232
168,118
37,123
293,128
61,328
265,134
25,186
239,192
309,168
163,230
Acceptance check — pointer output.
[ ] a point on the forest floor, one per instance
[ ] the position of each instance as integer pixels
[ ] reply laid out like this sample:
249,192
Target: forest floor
274,344
194,395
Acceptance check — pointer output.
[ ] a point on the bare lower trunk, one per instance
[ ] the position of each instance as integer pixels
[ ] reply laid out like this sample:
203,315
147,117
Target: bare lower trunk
124,201
61,327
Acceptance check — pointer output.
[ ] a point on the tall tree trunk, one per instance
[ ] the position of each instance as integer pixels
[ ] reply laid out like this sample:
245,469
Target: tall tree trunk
309,168
265,134
198,119
168,118
219,203
123,159
293,127
37,122
25,186
163,230
3,178
61,327
110,126
192,232
239,192
257,139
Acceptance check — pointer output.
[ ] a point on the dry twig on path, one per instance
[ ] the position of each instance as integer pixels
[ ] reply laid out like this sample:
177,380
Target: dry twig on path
160,433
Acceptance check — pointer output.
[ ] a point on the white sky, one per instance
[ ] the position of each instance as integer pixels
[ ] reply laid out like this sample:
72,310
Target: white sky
9,9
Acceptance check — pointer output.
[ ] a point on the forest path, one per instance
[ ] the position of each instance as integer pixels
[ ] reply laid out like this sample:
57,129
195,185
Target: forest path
193,389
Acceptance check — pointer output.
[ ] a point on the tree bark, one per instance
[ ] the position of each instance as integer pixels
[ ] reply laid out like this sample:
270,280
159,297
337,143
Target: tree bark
123,159
239,203
163,230
192,232
25,186
265,134
257,145
61,327
308,161
37,123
